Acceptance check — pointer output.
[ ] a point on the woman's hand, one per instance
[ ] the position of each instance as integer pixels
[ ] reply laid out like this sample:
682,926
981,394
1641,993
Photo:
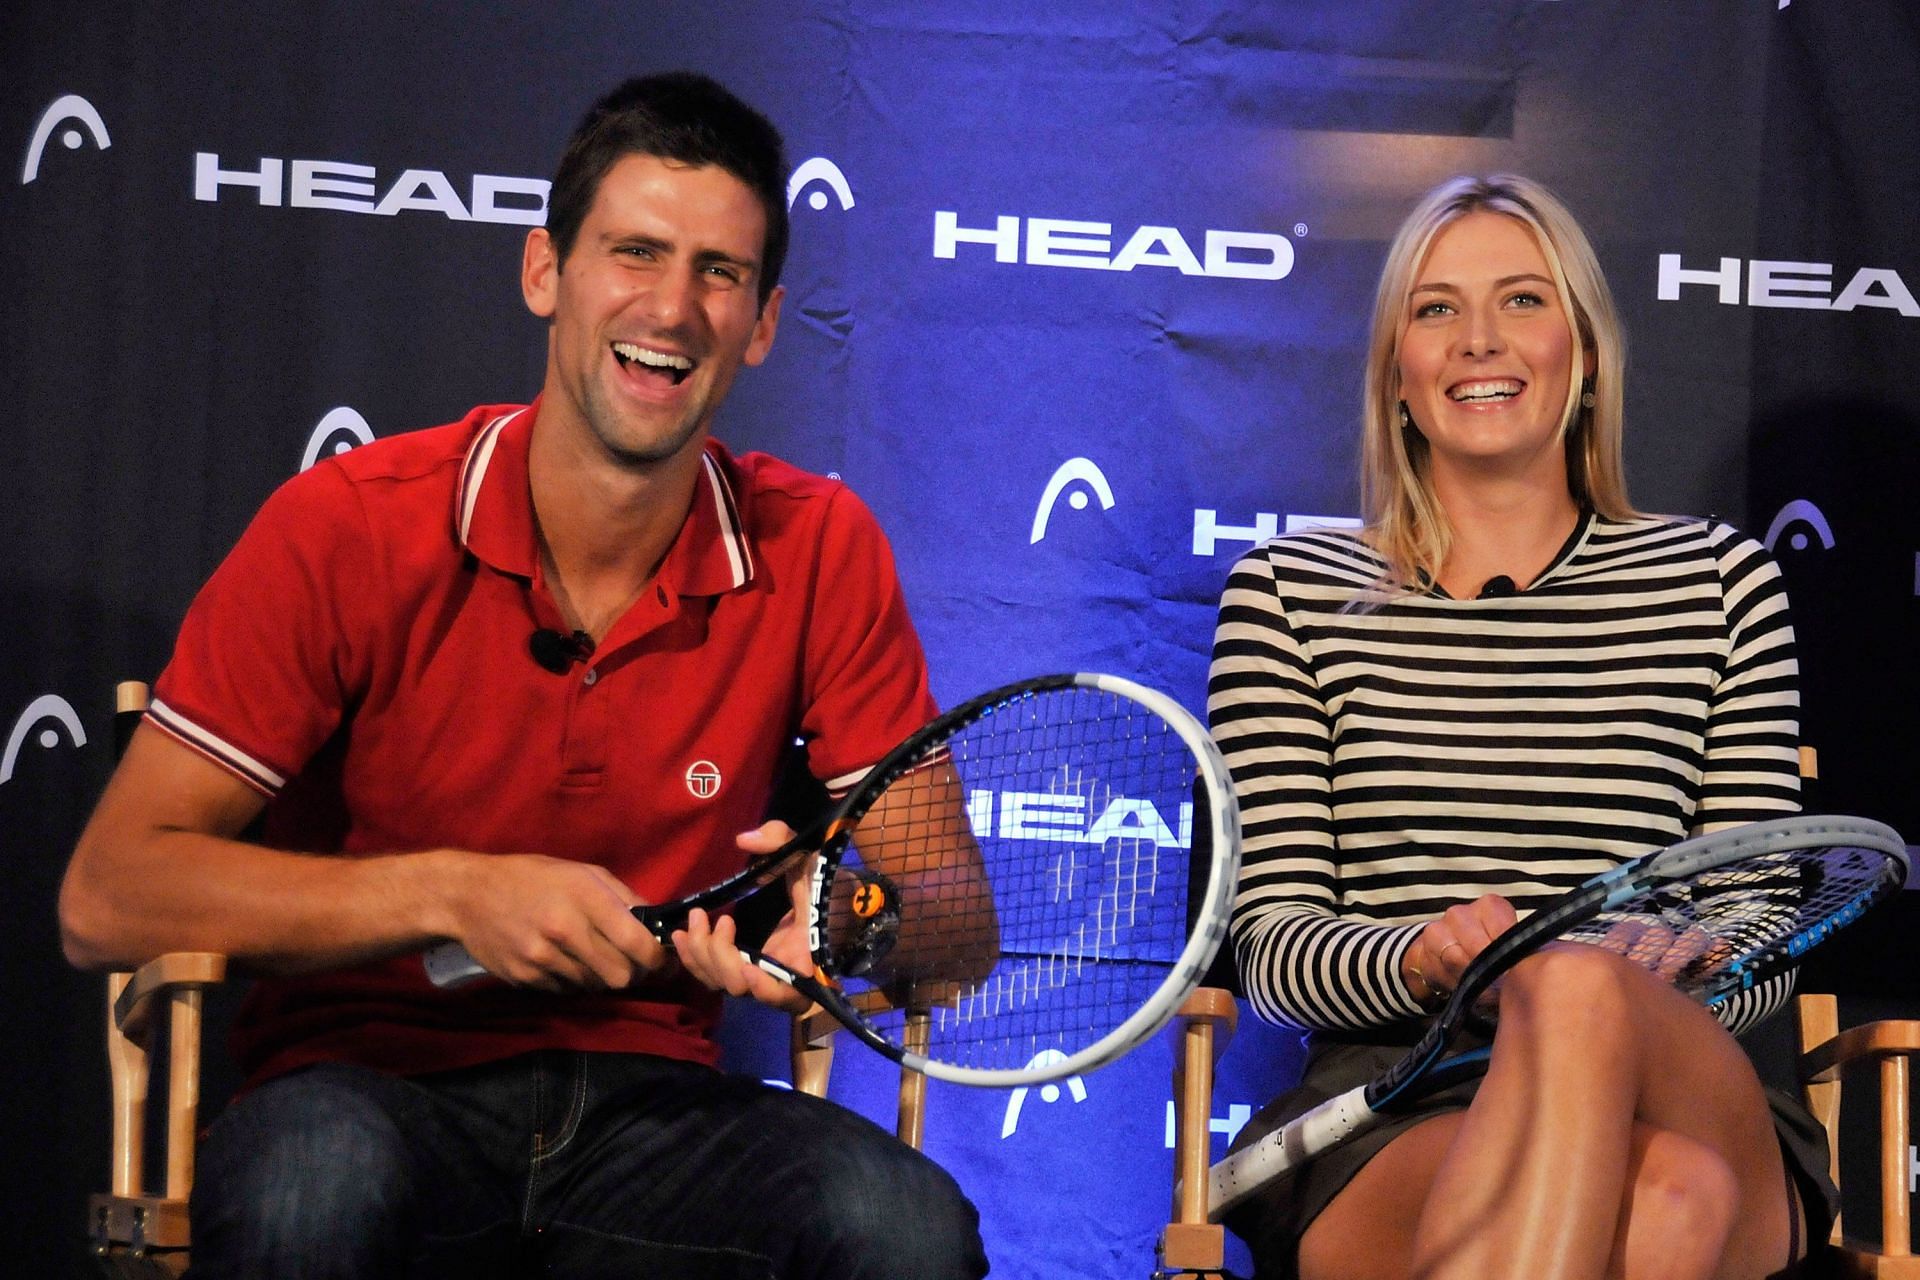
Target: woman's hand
1443,950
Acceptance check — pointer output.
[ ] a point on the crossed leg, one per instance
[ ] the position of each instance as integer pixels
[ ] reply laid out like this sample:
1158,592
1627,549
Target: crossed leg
1620,1132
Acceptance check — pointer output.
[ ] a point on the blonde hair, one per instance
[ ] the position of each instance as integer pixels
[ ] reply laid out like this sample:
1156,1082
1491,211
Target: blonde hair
1405,522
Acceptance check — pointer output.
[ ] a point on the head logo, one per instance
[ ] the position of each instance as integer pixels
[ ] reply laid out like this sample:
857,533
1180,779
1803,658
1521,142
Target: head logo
703,779
1065,242
1238,1113
340,429
1803,511
1081,469
48,706
1209,533
1049,1092
1804,285
74,108
1064,816
354,188
819,169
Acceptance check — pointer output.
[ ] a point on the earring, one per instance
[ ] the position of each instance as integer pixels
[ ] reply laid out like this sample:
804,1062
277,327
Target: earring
1586,394
1406,419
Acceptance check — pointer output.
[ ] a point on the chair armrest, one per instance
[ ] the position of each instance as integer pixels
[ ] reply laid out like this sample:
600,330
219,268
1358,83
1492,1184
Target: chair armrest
168,987
1825,1052
1824,1061
1205,1023
133,1007
1216,1007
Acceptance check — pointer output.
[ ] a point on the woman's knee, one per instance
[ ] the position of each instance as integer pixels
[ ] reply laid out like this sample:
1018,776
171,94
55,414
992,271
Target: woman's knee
1590,989
1683,1191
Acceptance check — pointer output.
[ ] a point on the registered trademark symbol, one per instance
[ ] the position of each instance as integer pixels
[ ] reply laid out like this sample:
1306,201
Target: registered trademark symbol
1299,228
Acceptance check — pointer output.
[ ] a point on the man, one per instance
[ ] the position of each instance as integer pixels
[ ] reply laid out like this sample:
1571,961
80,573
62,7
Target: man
495,683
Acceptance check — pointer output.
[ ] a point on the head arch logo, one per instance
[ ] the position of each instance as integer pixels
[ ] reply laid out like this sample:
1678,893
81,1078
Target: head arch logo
47,707
1800,511
822,170
1082,470
71,110
1049,1092
340,430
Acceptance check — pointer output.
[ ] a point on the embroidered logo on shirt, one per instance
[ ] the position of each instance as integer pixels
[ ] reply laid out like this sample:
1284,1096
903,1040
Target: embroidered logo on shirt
703,779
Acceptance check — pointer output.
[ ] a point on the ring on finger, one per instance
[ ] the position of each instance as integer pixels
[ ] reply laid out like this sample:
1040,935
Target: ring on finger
1450,946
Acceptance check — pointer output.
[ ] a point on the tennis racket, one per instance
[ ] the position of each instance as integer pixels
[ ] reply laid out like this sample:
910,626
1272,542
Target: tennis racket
1005,898
1716,915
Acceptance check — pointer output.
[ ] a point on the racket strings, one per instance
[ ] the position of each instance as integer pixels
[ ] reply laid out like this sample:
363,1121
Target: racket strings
1040,860
1708,934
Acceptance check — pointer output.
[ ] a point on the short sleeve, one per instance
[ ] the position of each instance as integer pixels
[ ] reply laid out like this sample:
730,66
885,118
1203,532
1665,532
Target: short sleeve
266,660
865,683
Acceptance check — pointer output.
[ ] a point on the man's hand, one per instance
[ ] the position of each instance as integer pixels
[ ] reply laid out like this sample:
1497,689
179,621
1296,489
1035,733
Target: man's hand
708,950
549,923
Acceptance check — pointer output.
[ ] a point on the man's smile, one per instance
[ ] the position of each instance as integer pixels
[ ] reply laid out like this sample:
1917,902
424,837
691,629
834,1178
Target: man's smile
668,365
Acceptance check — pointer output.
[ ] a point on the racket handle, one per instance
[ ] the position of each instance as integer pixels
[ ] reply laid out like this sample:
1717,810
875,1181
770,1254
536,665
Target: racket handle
1300,1140
766,964
449,965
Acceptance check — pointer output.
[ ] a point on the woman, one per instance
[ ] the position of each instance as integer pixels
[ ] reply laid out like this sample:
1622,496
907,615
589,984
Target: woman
1508,681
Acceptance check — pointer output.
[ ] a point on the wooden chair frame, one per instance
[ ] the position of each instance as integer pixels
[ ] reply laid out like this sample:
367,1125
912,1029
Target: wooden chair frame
812,1058
1191,1247
136,1230
1825,1052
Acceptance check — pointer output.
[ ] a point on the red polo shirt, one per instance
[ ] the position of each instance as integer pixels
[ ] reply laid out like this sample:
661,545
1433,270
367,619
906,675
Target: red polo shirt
361,659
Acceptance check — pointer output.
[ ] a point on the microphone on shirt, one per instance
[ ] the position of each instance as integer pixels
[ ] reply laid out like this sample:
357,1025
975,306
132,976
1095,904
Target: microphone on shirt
556,650
1495,587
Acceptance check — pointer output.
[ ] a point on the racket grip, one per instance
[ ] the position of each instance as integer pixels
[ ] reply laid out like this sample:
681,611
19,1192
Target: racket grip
1311,1134
449,965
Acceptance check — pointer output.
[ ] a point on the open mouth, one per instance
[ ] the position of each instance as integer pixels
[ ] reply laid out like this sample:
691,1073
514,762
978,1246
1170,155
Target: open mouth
1485,392
658,364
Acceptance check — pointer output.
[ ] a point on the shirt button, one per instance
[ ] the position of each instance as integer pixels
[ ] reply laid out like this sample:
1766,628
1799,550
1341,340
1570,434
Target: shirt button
592,677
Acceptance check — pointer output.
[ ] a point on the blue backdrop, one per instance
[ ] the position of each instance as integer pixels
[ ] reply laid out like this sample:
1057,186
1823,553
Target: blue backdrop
1077,304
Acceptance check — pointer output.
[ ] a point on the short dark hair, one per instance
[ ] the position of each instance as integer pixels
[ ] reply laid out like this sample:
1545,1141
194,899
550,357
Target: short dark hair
684,117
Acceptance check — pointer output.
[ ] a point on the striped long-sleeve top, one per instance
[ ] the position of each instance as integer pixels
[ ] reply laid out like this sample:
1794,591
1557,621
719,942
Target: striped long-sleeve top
1392,762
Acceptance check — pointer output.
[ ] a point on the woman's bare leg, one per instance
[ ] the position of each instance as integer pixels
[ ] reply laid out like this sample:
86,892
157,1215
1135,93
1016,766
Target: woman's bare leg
1538,1176
1366,1232
1617,1118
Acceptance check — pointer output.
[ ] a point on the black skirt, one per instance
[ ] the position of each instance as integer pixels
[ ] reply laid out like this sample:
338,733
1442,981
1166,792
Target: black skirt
1273,1220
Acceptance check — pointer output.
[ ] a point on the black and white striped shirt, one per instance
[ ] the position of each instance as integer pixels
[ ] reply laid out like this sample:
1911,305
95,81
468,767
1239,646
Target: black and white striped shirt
1390,763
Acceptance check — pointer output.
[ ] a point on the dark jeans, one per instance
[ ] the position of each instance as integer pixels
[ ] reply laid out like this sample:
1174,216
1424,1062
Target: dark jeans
570,1165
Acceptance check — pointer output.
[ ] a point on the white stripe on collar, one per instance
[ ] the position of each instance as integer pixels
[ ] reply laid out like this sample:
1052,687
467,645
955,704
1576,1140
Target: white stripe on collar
732,532
473,472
